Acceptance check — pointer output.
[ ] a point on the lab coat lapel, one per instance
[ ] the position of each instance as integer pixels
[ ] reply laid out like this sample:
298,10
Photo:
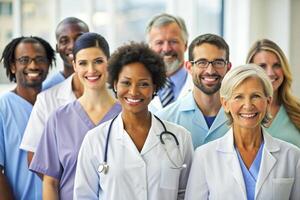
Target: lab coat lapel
226,145
153,135
268,161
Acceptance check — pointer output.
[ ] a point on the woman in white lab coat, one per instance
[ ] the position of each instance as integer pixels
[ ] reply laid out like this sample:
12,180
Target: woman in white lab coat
246,163
125,158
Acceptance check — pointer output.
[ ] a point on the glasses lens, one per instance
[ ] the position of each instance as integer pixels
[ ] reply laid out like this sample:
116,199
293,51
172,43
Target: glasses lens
25,60
218,63
41,60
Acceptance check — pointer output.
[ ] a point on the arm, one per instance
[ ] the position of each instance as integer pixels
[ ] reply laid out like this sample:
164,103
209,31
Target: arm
29,157
50,188
187,153
86,184
197,187
5,190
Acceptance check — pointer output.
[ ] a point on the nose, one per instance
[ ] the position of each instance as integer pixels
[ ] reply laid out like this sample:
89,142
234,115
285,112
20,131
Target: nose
210,69
269,70
133,90
71,45
166,46
91,68
248,104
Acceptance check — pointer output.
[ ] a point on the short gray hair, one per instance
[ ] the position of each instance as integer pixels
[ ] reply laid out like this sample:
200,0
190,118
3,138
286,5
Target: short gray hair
237,76
165,19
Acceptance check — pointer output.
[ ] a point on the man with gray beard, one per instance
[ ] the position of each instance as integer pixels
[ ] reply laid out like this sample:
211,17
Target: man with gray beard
167,35
200,111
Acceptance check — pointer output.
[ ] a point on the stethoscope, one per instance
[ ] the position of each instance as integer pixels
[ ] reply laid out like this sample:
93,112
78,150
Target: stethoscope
103,167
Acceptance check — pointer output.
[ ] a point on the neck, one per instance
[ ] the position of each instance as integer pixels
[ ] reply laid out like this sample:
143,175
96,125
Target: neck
275,105
247,139
68,70
92,98
208,104
136,120
77,87
29,94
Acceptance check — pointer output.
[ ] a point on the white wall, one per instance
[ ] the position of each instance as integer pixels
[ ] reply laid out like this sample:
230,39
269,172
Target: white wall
249,20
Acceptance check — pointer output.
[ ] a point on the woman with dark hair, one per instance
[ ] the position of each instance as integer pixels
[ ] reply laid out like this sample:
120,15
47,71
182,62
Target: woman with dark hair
135,155
56,155
285,108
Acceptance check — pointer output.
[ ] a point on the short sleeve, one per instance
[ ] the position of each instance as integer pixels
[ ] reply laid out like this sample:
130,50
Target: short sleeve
35,125
46,158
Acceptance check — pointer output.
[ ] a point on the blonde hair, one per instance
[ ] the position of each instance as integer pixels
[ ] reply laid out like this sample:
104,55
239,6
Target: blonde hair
285,97
237,76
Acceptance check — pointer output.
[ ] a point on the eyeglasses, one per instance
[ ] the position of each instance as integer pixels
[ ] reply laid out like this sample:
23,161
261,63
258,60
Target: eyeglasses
218,64
25,60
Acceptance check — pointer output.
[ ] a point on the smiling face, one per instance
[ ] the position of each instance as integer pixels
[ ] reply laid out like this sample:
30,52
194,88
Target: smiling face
248,104
271,64
91,66
34,73
134,88
209,79
168,42
66,36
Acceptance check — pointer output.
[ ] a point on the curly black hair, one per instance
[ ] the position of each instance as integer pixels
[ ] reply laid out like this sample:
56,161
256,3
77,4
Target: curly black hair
141,53
8,55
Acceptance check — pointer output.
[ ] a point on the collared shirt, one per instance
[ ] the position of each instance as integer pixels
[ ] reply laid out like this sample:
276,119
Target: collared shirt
186,113
250,176
57,152
14,114
178,79
53,80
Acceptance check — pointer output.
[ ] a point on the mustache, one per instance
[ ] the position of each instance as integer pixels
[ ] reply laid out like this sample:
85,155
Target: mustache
169,53
210,75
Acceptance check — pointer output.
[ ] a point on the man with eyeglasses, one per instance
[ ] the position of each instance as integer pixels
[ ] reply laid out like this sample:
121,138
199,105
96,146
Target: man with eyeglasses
200,111
27,60
167,35
67,31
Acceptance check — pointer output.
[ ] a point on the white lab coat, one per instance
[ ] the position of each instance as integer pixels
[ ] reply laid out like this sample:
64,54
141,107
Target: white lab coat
132,174
155,105
216,172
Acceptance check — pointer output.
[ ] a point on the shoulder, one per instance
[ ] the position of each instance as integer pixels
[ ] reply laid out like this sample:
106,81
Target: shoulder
180,105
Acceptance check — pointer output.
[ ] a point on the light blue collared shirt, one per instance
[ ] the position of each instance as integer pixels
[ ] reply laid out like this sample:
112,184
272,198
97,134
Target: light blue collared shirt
250,176
178,79
186,113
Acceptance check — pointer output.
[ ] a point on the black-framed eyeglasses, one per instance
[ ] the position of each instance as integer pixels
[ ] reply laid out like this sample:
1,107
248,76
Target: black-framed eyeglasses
218,63
26,60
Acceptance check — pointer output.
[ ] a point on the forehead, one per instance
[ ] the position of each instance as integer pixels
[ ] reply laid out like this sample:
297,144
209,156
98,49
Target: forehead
90,53
29,48
265,55
251,84
166,31
208,51
68,29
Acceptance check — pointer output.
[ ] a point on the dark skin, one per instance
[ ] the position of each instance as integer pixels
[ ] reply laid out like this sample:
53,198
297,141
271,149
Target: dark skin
29,80
66,35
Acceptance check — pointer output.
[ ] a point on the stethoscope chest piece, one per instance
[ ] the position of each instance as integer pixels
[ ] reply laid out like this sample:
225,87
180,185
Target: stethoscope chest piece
103,168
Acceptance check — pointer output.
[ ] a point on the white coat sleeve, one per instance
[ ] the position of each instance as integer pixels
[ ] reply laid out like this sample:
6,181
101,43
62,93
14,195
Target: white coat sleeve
296,187
86,184
36,124
188,157
197,188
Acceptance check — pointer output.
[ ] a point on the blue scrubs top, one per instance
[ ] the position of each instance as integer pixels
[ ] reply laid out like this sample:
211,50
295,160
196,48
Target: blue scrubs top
250,176
14,114
53,80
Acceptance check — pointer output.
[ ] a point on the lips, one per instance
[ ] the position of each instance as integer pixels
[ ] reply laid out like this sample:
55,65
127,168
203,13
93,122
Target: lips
133,101
210,79
248,115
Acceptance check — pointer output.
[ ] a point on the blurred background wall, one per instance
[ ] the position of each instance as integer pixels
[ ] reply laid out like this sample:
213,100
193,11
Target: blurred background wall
241,22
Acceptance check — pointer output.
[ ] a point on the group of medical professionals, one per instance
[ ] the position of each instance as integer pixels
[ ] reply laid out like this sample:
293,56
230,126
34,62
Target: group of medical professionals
143,123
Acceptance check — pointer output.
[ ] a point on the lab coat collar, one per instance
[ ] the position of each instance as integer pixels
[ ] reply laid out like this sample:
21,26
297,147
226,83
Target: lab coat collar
151,141
226,145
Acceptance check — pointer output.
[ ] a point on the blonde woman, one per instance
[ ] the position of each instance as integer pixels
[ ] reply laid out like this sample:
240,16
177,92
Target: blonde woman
285,108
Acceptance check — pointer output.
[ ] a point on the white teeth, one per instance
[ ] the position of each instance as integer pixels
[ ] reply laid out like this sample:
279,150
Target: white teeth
33,74
92,78
248,115
209,78
133,100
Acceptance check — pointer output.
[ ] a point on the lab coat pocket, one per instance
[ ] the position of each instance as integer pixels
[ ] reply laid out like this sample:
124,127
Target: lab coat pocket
169,178
282,188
